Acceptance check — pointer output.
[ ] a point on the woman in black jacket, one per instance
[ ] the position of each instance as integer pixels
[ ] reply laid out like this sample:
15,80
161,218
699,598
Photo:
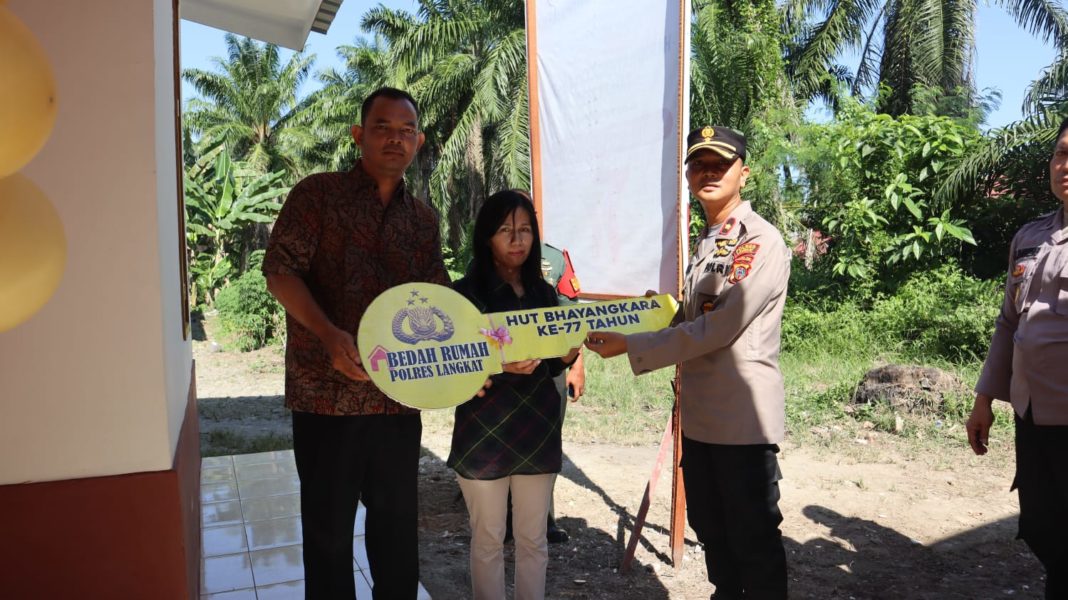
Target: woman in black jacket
510,438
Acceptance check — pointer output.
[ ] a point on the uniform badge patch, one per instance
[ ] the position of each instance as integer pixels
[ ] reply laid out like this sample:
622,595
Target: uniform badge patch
746,248
547,270
739,271
567,283
707,307
743,261
724,247
727,226
1019,270
715,266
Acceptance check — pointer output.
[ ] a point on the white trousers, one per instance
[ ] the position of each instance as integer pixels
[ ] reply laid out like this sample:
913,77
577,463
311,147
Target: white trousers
487,506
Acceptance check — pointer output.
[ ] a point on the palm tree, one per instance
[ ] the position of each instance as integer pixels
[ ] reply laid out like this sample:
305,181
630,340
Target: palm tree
225,202
904,46
334,108
251,103
738,78
465,61
918,54
1011,161
737,67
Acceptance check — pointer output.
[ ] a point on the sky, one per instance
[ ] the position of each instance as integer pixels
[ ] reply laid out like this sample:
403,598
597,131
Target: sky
200,43
1007,58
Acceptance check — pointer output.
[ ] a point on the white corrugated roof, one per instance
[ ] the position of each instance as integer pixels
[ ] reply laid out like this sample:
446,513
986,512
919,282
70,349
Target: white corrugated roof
282,22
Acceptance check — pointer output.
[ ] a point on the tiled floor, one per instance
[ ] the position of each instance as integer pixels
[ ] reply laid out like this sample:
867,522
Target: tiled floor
251,530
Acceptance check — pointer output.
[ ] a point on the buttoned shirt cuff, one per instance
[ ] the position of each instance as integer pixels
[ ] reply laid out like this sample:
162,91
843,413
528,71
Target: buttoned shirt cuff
642,357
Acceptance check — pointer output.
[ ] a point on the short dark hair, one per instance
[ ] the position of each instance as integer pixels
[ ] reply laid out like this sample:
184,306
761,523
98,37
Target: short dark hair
1060,132
386,92
493,212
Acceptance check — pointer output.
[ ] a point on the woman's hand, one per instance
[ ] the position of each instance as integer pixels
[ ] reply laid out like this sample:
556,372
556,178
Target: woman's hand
522,367
978,425
576,378
571,356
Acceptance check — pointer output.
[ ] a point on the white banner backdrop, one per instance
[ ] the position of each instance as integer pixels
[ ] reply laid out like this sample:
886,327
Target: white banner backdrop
611,98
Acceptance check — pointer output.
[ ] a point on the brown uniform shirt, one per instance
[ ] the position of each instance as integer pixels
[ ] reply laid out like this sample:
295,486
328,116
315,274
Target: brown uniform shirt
335,234
728,335
1028,359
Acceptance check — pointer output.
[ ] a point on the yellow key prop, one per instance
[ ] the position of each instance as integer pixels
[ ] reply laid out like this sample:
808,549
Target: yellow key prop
426,346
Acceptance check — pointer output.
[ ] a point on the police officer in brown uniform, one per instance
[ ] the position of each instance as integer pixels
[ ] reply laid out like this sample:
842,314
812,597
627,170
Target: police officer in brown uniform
726,339
1027,365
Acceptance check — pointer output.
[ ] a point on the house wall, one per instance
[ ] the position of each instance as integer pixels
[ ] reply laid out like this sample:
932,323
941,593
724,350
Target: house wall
96,382
100,475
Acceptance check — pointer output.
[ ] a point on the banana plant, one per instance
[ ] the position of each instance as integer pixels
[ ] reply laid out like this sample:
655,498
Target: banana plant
225,200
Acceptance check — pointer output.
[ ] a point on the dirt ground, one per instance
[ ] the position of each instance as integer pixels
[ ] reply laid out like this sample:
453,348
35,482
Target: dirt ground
875,517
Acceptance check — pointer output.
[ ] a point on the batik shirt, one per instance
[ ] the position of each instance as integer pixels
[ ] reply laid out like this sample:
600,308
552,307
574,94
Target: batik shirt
336,235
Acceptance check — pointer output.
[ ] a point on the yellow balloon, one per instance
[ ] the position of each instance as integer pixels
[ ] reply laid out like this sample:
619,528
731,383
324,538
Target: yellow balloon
27,94
33,250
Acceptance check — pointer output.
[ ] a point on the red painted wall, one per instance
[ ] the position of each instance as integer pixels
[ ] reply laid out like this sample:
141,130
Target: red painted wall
125,536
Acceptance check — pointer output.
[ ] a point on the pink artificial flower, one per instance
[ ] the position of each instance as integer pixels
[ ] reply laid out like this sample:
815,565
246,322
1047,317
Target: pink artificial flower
500,336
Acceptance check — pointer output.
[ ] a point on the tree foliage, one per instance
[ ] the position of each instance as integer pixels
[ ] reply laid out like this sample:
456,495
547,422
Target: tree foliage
899,181
869,181
904,47
739,79
249,316
224,201
250,102
331,111
465,62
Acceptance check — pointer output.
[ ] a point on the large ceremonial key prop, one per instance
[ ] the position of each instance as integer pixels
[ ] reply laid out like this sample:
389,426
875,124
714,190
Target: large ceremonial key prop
427,346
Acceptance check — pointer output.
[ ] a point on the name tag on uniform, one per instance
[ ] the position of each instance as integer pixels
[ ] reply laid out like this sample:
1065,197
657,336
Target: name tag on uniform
1025,253
717,266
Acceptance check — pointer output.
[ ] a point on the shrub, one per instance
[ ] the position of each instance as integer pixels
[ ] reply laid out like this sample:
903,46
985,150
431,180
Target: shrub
844,330
868,181
249,316
940,313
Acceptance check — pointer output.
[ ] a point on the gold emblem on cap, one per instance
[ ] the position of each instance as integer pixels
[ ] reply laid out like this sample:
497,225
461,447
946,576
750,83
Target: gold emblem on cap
708,132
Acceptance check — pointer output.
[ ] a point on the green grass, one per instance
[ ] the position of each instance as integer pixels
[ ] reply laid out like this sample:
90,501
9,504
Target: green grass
224,442
820,413
618,407
828,346
821,375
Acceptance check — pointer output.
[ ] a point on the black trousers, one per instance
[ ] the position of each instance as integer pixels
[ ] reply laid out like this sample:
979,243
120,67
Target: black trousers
732,498
340,461
1042,481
